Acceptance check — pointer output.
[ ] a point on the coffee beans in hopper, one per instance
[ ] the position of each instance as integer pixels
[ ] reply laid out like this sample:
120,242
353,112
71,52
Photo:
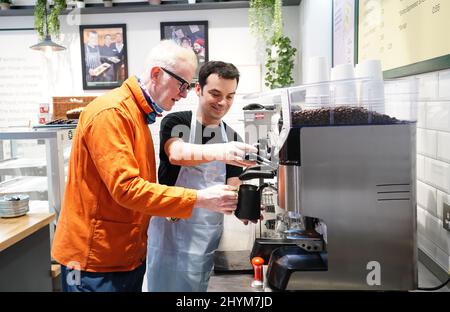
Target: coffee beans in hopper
341,115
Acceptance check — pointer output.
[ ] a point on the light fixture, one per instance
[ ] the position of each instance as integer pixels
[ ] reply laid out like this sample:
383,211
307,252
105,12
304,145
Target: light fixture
47,44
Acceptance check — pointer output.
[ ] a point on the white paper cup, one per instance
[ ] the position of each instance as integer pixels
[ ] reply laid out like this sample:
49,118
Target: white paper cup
371,95
342,71
317,73
317,70
343,86
371,89
369,69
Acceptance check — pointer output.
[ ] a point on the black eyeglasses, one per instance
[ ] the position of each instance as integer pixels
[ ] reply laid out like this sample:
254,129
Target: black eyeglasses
185,86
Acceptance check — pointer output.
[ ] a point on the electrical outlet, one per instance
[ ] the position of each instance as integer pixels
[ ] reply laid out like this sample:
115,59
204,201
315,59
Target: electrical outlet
446,216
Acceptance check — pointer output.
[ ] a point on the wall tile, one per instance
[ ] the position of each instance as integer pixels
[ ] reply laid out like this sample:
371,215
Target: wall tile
443,146
438,116
426,142
428,86
421,114
426,197
441,198
437,173
426,245
421,219
443,259
444,84
420,160
431,228
444,239
433,251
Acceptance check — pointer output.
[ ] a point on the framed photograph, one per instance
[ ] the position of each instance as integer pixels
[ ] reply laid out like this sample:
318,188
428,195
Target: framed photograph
103,56
192,34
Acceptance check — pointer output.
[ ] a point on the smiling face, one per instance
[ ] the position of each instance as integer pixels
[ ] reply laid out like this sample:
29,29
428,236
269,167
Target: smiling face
165,89
197,47
108,40
215,99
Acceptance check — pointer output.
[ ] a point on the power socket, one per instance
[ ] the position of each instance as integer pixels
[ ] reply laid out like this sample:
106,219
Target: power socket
446,216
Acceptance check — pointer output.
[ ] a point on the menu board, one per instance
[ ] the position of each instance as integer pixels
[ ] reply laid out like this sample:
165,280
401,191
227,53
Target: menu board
402,33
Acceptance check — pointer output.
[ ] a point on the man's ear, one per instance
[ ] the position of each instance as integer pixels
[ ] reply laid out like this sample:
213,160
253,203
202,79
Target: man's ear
198,89
155,72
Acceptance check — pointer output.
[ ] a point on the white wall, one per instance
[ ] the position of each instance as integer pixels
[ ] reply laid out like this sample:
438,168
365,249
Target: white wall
315,34
229,40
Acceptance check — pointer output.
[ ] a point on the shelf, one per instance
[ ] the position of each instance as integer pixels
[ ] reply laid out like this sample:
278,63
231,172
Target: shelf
139,7
23,167
35,187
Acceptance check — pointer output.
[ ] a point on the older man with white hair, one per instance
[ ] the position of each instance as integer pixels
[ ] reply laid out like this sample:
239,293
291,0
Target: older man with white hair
111,194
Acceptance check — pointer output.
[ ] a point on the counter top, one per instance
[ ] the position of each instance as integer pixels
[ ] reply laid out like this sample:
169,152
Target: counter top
233,282
12,230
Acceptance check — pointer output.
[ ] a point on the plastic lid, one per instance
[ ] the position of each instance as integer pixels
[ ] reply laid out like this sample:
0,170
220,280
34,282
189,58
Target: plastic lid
257,261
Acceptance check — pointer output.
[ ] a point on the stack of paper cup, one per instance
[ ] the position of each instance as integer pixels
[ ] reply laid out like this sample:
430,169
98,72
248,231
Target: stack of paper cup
318,74
371,88
343,86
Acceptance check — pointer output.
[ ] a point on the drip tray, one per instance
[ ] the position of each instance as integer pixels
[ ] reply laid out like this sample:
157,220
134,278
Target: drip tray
232,261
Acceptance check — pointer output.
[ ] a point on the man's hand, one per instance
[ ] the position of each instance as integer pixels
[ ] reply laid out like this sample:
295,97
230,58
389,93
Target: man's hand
233,153
219,198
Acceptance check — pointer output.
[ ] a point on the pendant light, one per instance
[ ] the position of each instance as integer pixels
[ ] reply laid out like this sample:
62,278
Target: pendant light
47,44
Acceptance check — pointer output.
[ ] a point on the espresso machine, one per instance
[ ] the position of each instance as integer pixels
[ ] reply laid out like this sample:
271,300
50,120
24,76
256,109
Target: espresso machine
346,192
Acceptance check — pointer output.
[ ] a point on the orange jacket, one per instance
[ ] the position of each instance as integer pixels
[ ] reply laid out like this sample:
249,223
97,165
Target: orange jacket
111,190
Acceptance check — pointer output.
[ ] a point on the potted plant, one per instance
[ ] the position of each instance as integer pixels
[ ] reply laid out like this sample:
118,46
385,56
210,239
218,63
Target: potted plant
279,63
46,19
108,3
5,4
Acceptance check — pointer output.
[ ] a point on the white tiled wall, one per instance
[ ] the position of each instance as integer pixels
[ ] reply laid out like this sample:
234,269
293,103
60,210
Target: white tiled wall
433,165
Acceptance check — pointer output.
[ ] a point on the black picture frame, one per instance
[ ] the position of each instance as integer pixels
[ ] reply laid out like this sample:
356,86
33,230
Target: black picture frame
192,33
103,66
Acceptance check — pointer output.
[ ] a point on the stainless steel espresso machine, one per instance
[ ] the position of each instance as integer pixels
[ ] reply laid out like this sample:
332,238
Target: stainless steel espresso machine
346,189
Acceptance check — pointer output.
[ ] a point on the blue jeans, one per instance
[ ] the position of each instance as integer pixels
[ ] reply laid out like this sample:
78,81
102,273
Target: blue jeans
82,281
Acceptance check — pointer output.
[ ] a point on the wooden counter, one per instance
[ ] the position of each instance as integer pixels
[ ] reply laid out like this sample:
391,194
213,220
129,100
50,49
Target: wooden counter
13,230
25,261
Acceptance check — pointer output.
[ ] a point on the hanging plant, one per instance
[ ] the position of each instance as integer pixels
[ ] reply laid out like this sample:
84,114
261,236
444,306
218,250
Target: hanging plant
265,19
39,18
53,20
279,63
50,23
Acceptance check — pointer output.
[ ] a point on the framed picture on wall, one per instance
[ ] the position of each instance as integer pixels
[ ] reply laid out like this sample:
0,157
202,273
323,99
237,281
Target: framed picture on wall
192,34
103,56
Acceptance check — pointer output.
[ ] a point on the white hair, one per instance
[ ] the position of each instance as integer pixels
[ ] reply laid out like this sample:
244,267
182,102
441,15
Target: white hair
166,54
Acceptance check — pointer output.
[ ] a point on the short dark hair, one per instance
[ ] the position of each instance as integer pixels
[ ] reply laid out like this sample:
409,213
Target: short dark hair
222,69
